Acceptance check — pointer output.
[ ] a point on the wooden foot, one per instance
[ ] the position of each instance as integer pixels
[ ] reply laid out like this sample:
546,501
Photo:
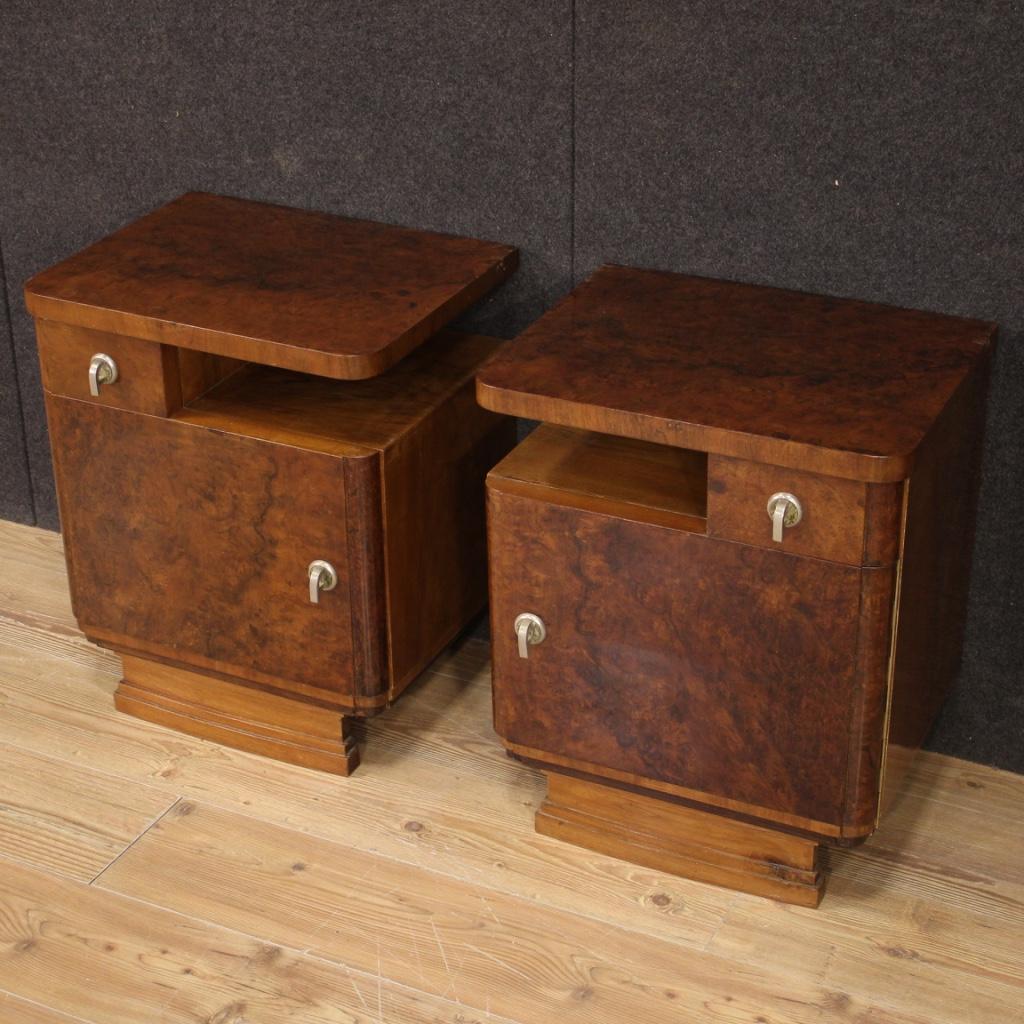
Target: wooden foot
237,716
670,837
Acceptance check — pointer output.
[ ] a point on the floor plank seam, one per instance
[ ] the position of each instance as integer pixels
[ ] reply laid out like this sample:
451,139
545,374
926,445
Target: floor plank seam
15,630
167,810
49,869
39,621
404,986
393,858
840,992
507,891
264,942
149,728
112,776
80,662
605,927
464,878
43,1006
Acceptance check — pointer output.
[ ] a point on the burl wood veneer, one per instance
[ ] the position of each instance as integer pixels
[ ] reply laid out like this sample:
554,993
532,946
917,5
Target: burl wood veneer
239,445
716,693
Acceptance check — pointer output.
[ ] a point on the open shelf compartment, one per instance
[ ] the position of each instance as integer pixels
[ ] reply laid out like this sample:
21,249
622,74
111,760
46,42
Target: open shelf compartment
613,475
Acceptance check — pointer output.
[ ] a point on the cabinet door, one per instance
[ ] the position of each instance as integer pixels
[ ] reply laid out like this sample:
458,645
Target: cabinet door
193,544
735,676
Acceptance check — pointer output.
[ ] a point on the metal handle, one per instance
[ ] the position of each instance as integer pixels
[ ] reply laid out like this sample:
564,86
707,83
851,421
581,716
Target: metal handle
530,631
786,511
322,576
102,370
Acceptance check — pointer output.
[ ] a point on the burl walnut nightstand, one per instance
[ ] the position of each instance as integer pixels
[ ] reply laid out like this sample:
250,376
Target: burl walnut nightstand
729,571
272,542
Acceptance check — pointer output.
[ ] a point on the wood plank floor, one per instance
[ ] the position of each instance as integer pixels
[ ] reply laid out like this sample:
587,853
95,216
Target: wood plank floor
149,877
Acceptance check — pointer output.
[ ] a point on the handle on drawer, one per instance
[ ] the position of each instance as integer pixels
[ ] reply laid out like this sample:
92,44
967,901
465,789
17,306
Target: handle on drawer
530,631
322,576
786,511
102,370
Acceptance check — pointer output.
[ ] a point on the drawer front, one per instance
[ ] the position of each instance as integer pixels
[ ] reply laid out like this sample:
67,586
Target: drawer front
194,545
732,675
147,372
840,520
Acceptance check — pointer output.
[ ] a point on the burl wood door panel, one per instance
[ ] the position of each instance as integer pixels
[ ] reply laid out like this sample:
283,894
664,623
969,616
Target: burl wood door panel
194,544
746,678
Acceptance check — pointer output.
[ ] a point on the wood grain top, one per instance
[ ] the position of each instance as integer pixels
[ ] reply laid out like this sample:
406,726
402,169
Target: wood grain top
824,384
296,289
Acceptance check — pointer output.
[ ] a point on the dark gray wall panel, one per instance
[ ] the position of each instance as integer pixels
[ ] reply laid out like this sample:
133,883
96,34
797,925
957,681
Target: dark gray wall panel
446,116
15,492
869,149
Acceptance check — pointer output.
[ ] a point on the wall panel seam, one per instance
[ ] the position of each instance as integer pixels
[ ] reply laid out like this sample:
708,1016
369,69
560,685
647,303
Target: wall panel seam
572,144
19,400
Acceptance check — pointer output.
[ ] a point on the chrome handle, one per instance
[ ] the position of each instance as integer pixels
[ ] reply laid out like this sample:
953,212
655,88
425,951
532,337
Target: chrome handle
786,511
530,631
102,370
322,576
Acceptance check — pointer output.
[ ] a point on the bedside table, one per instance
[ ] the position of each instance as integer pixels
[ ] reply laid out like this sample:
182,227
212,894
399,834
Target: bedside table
269,462
729,571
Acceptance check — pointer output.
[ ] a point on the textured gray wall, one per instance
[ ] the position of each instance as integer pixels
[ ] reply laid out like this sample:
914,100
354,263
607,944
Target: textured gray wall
15,487
864,149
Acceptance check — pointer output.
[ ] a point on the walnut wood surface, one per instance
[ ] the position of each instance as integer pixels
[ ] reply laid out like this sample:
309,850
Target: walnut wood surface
200,542
332,415
936,563
751,676
834,523
616,474
681,840
237,716
152,378
427,521
435,535
148,375
821,384
292,288
383,477
366,582
200,371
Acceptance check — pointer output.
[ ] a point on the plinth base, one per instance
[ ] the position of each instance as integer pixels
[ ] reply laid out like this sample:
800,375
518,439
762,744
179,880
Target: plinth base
237,716
670,837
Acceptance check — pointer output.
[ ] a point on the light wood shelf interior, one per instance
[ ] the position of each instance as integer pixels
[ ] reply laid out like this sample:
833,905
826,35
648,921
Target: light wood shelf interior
613,475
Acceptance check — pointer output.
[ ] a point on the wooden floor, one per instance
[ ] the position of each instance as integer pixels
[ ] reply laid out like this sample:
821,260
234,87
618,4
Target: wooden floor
147,877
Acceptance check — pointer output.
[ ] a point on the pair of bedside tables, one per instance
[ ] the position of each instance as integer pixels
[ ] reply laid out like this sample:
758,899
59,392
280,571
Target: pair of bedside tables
727,573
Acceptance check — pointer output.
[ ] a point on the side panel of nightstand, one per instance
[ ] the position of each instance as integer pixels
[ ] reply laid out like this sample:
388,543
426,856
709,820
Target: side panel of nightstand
938,543
434,527
744,679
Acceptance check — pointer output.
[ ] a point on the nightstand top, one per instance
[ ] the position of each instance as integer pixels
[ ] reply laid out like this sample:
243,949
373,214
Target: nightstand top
829,385
291,288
